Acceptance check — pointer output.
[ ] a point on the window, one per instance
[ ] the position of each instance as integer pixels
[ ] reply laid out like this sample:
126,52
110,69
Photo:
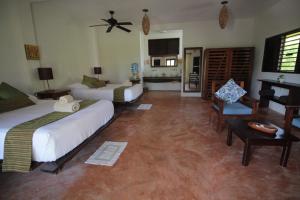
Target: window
282,53
289,52
156,62
171,62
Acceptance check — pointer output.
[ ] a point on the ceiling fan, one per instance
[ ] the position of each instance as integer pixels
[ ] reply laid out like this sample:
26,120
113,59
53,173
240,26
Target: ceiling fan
112,22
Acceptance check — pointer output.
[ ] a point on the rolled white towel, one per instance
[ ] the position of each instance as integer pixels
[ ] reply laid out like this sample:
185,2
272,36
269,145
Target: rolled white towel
66,99
66,107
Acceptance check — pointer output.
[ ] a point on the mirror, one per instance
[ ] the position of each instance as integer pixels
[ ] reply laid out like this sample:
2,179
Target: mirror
192,69
164,61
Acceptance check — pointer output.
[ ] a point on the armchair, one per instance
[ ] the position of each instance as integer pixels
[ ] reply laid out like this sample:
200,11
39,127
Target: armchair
194,79
245,107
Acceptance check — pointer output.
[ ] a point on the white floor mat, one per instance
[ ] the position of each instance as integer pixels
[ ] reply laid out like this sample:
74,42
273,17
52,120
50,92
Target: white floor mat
107,154
144,107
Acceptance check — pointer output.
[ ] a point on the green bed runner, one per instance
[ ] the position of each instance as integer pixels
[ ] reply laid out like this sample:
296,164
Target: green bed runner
119,94
18,140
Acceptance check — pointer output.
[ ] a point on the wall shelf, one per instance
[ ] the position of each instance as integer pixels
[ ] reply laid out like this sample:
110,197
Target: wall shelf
293,97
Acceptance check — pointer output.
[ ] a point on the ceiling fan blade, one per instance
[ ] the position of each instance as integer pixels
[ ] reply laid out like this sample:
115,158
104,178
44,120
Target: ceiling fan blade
105,20
124,29
99,25
109,29
124,23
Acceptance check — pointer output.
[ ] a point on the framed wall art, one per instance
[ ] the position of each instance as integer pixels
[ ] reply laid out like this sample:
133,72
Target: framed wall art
32,52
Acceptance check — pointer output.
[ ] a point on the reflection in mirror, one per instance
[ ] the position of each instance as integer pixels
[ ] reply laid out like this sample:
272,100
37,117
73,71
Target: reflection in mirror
164,61
192,69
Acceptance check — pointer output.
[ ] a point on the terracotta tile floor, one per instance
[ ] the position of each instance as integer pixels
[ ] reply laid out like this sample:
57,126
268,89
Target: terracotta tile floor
172,153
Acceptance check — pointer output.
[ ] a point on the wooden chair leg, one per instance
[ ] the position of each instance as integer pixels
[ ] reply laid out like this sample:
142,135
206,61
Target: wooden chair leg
229,137
287,154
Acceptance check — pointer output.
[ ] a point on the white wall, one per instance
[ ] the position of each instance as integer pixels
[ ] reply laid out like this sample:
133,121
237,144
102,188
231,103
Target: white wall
169,71
282,17
158,71
17,30
208,34
117,51
66,43
72,48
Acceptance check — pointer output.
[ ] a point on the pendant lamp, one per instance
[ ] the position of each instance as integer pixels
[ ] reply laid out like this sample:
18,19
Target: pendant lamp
146,22
223,16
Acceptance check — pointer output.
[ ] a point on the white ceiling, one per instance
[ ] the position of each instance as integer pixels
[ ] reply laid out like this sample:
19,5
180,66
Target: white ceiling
161,11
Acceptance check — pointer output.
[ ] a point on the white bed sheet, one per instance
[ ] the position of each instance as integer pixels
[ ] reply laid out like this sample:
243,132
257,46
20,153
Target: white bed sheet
106,92
54,140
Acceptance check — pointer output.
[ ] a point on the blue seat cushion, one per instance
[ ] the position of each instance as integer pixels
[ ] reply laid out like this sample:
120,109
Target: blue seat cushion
296,122
236,108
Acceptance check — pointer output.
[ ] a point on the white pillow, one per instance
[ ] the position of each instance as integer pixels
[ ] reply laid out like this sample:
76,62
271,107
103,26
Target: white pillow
33,98
230,92
78,86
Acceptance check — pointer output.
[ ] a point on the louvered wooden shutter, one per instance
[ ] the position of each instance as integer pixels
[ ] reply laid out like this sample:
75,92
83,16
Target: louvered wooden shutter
215,68
271,54
221,64
240,68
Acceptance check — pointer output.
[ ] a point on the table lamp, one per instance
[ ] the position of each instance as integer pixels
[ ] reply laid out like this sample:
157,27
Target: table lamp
45,73
98,71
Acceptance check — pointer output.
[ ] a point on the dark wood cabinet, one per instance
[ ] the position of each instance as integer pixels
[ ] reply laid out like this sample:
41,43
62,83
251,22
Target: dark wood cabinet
52,94
173,46
221,64
157,47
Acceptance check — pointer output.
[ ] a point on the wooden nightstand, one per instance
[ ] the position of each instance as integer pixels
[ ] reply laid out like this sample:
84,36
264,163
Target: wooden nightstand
52,94
135,81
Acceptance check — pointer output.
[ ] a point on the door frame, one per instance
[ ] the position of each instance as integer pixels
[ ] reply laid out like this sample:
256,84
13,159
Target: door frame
200,68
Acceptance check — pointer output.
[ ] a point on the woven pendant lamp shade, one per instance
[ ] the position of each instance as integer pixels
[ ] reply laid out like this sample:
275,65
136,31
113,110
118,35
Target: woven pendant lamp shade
223,16
146,22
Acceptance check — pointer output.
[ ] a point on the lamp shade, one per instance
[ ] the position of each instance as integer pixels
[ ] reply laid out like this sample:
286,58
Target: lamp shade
97,70
45,73
146,22
223,16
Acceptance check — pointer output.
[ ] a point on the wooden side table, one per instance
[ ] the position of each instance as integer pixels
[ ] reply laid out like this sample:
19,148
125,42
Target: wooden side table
253,137
52,94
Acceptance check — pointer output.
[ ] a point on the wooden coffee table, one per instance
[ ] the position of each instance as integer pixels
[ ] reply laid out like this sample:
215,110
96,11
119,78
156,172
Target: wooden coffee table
251,137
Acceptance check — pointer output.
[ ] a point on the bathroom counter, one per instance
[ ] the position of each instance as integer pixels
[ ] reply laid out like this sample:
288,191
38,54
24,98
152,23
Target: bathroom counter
162,79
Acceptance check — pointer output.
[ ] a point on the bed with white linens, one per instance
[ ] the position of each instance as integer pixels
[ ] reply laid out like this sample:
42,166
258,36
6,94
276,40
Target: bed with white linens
54,140
80,91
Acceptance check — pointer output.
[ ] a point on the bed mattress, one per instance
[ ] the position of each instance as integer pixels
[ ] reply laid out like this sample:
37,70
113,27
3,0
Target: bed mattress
106,92
56,139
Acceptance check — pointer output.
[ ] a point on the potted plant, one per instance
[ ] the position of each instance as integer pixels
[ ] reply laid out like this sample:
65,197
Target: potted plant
280,78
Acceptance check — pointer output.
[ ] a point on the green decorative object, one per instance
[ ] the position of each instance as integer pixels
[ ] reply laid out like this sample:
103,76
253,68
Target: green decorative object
92,82
280,78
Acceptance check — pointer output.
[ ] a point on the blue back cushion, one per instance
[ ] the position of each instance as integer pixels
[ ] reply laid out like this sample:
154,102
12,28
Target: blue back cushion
236,108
